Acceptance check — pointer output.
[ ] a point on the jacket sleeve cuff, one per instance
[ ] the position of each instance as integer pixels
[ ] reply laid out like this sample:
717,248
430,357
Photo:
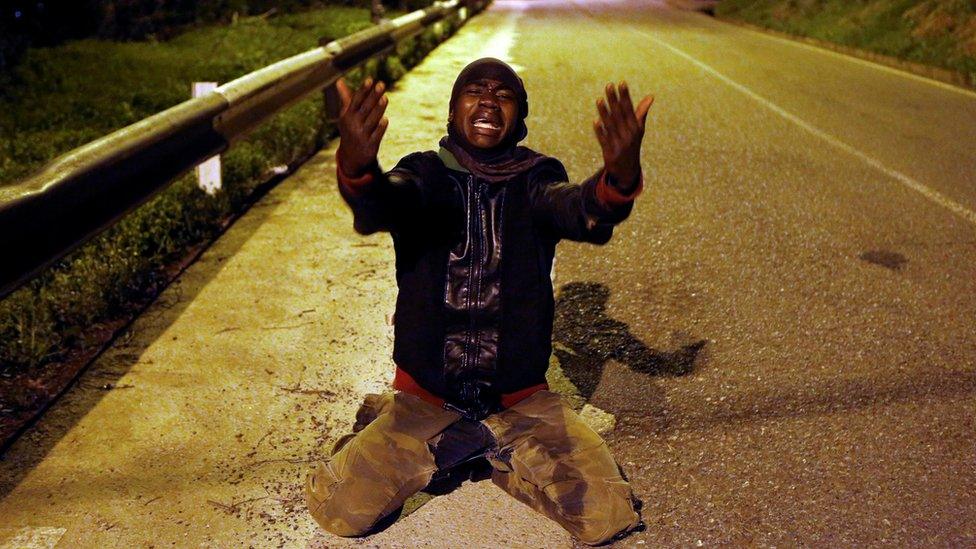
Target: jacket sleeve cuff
355,186
611,197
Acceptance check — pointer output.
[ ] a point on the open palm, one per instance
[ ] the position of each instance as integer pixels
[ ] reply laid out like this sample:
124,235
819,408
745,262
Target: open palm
620,131
361,125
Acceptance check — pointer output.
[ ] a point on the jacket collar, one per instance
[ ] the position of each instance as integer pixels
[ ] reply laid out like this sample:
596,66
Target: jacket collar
448,159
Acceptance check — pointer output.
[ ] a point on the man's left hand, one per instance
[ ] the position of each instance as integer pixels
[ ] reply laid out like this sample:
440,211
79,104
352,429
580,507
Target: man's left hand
620,131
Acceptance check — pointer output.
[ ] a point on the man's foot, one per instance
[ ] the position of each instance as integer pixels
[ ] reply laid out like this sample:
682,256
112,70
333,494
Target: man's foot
446,481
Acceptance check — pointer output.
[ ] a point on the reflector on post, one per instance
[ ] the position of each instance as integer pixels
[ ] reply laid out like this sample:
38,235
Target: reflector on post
208,172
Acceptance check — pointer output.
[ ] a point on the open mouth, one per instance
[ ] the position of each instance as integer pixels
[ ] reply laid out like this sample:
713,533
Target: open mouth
487,123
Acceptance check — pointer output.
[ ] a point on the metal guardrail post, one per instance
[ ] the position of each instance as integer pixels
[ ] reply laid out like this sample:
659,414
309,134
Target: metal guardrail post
330,95
81,193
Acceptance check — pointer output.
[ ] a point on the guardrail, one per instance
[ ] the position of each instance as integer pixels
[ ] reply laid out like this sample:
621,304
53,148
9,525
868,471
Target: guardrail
83,192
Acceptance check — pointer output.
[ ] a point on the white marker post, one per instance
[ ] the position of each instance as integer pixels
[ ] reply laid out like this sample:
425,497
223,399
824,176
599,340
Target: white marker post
208,172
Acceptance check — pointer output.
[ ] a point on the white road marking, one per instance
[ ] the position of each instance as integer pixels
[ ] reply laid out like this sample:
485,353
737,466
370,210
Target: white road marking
865,62
500,44
909,182
30,537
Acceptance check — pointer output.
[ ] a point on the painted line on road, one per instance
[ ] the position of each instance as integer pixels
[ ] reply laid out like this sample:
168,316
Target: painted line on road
865,62
909,182
500,44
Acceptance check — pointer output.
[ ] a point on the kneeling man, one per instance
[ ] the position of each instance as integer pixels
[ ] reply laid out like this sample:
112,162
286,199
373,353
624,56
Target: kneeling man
474,227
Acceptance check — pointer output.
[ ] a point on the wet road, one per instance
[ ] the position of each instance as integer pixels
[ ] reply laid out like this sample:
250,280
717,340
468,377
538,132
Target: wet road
782,330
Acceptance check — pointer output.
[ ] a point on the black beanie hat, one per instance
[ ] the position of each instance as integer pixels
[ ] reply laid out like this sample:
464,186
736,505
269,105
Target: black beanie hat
494,69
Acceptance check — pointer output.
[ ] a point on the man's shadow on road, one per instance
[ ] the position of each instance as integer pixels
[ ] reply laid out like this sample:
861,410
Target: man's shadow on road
586,338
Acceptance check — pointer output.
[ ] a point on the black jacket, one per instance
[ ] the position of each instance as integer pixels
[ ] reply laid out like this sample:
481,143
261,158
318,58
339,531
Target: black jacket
475,300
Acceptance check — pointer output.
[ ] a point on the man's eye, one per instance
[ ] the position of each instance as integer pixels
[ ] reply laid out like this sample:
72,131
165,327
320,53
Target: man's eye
506,96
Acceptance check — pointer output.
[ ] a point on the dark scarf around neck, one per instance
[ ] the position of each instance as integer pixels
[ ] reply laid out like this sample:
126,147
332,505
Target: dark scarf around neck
495,166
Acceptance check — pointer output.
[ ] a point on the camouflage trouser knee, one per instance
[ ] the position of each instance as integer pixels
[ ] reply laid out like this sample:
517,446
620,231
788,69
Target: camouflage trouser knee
378,469
550,460
545,457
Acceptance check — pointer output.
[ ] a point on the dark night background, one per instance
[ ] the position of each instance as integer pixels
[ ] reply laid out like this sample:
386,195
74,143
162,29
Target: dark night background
24,23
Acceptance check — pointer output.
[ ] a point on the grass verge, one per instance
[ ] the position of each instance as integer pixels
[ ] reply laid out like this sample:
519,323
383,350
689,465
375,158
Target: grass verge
938,33
71,94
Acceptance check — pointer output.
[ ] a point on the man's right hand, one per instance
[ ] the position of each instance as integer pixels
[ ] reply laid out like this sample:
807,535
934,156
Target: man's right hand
361,126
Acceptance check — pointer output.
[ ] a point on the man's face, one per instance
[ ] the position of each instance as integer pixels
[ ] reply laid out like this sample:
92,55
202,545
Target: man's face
485,113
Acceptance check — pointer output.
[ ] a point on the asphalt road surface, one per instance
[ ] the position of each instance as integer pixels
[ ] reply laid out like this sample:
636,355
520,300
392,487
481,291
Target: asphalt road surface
782,331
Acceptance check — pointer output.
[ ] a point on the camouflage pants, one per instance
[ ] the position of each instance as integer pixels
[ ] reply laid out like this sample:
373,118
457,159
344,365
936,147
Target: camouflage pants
544,456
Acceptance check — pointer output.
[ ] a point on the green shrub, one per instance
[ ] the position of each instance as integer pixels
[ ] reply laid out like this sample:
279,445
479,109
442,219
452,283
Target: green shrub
80,91
933,32
24,22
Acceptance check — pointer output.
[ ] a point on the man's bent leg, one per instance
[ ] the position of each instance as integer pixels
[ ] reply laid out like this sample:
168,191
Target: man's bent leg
378,469
552,461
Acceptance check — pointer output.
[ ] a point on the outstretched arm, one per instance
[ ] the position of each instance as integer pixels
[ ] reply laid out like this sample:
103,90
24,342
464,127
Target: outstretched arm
620,131
379,201
588,211
361,126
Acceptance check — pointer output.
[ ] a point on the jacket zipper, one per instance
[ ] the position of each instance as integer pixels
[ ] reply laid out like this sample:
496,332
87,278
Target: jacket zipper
474,277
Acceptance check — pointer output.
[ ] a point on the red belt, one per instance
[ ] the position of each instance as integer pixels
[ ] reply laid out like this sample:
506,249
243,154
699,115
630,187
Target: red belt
404,382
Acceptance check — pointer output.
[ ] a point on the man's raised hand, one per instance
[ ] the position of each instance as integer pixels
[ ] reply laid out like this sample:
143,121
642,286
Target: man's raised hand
361,125
620,130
